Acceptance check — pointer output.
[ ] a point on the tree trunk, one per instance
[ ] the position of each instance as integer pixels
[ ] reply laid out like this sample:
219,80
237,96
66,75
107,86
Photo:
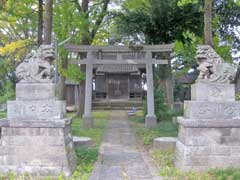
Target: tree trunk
63,90
85,41
40,21
208,22
164,80
81,96
48,22
88,41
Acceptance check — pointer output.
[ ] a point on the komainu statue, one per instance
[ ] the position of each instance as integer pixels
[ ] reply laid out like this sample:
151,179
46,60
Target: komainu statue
212,67
36,67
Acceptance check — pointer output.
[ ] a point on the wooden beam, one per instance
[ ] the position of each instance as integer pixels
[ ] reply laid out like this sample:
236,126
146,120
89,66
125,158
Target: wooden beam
159,61
74,61
130,61
151,48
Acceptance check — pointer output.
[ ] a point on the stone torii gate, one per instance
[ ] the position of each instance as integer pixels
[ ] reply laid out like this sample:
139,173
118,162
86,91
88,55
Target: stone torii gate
113,55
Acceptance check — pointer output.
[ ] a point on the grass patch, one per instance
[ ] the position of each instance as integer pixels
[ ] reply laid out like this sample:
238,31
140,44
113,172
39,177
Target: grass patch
164,160
86,159
100,119
88,156
3,114
164,129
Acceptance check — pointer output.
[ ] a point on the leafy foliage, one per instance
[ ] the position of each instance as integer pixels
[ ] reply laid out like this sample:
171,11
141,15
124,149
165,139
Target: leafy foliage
225,19
2,115
73,73
159,21
182,3
185,52
7,92
228,16
162,111
223,50
18,28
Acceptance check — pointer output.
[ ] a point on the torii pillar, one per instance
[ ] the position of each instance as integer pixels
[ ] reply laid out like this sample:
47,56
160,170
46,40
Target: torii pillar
87,116
150,119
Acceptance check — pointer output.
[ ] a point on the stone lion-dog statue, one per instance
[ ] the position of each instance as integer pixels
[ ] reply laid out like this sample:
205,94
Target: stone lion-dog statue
36,67
212,67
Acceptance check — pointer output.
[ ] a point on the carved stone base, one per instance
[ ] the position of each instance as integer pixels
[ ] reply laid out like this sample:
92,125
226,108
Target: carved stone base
41,149
202,145
35,137
150,121
209,132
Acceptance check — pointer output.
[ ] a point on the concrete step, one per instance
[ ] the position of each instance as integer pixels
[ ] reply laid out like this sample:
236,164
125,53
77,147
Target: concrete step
117,105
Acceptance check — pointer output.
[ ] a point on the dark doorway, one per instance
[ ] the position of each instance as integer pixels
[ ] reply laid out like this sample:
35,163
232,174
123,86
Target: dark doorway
118,86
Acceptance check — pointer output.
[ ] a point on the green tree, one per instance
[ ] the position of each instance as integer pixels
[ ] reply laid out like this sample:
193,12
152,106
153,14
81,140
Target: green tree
40,22
18,26
226,19
17,36
208,36
93,18
48,22
157,22
223,16
67,23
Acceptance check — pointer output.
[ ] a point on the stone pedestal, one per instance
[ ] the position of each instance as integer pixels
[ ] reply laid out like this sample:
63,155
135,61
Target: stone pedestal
165,143
209,132
80,142
150,121
36,138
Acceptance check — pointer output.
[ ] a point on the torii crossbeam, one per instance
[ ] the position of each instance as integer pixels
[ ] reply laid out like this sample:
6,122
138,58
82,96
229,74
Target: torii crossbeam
144,55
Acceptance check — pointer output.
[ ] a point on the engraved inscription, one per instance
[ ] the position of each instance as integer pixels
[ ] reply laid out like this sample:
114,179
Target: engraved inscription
46,108
216,93
229,110
204,110
32,108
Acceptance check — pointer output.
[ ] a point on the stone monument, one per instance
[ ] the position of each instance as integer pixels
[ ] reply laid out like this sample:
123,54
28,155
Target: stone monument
36,137
209,132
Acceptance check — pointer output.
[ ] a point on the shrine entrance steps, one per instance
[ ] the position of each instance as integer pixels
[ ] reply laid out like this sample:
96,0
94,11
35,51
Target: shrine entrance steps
117,104
121,158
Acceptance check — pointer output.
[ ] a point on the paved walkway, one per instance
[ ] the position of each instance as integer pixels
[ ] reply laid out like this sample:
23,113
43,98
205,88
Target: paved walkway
120,159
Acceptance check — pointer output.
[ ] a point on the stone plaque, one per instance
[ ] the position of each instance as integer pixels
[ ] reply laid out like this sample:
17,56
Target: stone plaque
34,110
211,110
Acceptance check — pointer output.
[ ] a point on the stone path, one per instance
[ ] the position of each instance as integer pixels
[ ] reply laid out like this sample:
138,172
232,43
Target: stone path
120,159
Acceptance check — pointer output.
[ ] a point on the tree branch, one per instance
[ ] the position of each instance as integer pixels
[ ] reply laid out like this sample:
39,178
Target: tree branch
78,5
100,18
83,7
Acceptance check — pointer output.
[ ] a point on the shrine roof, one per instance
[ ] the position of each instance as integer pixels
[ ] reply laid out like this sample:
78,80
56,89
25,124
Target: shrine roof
188,78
